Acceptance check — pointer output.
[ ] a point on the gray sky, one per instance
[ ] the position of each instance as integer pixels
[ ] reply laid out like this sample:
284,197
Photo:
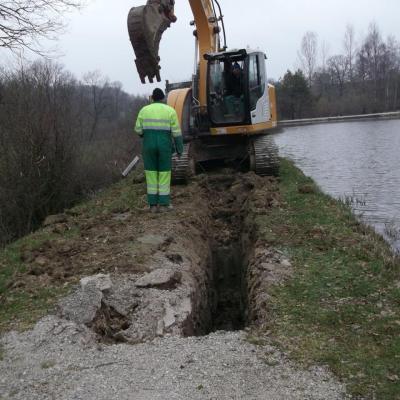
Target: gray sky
97,37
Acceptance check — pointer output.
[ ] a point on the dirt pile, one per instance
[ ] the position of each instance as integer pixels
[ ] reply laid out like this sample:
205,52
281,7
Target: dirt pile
201,268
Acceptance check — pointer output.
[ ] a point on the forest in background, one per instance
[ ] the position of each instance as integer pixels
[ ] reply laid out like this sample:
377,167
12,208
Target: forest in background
60,141
364,78
63,139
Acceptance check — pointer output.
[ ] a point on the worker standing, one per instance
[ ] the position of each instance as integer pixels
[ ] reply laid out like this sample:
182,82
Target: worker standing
158,125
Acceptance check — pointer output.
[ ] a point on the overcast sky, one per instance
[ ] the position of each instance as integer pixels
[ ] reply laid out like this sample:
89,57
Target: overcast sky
97,37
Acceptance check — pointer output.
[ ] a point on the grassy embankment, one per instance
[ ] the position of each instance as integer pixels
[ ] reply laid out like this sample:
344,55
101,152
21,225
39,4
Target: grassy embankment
25,296
342,307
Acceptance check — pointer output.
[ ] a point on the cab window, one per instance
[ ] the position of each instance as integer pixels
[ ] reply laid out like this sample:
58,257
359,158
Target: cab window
256,79
226,83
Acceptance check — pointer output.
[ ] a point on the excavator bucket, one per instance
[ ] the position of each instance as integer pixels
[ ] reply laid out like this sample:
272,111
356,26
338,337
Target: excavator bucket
146,24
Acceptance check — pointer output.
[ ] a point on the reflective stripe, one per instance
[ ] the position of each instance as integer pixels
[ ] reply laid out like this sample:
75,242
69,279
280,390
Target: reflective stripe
157,121
164,180
152,184
164,190
157,128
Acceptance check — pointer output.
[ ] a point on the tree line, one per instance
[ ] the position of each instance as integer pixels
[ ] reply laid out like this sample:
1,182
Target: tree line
60,140
363,78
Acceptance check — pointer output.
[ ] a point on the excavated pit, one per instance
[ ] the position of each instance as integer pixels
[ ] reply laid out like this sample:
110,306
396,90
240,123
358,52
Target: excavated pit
229,309
107,324
228,268
201,269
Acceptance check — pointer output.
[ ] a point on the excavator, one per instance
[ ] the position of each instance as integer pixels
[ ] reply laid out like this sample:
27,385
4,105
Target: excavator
228,107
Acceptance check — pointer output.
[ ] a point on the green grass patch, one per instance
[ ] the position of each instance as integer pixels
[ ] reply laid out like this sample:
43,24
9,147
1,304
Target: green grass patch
11,257
21,310
22,307
342,307
122,197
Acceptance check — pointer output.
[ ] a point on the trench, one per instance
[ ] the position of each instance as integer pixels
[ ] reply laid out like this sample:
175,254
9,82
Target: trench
228,285
219,289
229,309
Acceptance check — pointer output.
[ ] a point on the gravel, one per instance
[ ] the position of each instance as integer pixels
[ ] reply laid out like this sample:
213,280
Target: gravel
62,360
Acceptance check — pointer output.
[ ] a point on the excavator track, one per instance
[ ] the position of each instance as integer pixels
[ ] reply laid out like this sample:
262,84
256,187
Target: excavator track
183,167
264,156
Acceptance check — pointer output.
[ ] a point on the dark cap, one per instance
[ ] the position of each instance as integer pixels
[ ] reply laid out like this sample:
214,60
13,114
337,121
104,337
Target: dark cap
158,95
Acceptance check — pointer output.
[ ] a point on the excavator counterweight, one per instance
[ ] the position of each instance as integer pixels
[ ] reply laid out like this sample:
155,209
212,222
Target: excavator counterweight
146,24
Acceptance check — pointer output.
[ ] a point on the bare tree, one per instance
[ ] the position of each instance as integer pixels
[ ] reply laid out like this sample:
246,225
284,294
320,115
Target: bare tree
393,72
24,22
99,98
325,49
338,68
349,45
308,54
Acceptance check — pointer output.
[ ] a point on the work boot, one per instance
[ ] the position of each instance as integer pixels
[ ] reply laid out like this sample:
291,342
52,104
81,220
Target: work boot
166,208
153,209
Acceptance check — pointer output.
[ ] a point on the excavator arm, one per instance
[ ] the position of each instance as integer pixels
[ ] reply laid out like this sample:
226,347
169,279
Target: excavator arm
146,25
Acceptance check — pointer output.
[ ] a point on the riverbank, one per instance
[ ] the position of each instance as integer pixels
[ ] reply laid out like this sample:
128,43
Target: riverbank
344,118
342,306
305,276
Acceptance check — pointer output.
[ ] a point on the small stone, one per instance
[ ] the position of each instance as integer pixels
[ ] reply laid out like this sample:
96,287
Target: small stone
160,278
42,261
286,263
55,219
101,282
152,240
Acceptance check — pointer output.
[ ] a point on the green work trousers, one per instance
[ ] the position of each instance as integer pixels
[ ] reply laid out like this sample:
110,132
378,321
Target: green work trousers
157,157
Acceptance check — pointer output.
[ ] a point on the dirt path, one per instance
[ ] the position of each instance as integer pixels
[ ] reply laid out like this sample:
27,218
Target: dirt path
60,361
128,333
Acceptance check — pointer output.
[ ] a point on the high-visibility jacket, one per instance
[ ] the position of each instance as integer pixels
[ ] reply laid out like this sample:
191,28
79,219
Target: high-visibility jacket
160,118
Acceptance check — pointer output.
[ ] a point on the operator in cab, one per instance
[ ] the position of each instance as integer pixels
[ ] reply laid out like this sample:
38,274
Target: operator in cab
235,81
158,125
234,97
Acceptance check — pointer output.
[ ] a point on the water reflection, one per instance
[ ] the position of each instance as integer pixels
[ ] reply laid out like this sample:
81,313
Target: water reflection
355,160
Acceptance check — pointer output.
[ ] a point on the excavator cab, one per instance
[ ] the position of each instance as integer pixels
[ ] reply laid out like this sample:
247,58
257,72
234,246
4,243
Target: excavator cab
237,92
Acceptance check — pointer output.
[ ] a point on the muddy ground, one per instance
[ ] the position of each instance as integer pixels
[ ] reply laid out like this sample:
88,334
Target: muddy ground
201,268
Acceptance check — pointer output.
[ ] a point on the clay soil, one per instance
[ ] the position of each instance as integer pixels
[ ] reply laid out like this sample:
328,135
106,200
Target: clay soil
209,242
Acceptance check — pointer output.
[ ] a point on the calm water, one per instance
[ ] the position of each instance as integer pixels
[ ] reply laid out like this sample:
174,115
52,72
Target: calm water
359,161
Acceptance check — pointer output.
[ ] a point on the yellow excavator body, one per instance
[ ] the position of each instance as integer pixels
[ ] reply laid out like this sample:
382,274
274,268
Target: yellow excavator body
227,108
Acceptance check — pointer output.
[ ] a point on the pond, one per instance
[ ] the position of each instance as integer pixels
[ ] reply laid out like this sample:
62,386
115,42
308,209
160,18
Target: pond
358,162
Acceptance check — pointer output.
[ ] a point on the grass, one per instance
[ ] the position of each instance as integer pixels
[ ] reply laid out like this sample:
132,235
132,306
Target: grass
342,307
20,308
11,257
120,197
